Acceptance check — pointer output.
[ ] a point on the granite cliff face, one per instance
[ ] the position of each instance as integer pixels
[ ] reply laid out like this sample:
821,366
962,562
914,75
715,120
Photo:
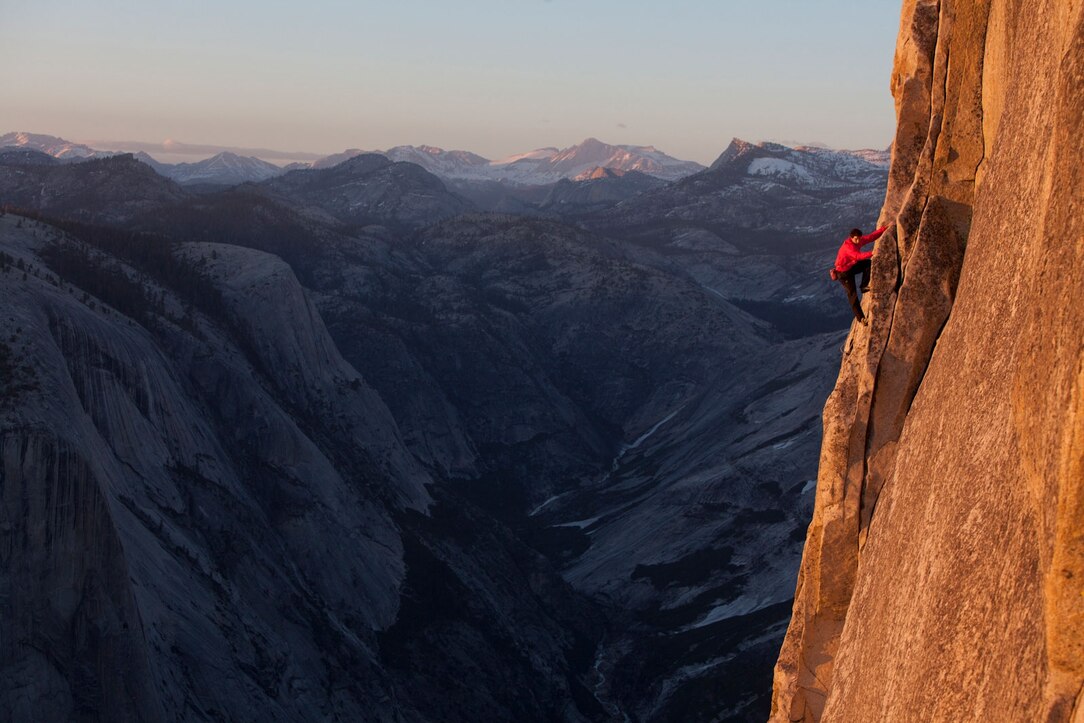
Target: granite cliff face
154,566
207,513
942,573
327,447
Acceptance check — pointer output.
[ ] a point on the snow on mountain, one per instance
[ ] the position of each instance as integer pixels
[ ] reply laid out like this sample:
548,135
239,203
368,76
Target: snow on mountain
871,155
779,167
755,198
55,147
225,168
437,160
802,167
599,172
538,154
594,153
545,166
542,166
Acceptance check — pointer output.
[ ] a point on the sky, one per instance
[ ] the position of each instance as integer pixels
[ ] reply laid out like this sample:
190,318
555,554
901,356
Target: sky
496,77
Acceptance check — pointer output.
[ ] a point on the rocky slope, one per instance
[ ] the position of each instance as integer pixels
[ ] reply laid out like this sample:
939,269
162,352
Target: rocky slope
207,513
596,190
624,420
369,188
620,458
159,545
50,145
15,156
225,169
941,578
760,197
759,228
107,189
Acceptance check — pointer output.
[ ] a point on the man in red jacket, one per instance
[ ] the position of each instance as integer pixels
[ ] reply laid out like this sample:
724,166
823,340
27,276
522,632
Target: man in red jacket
851,260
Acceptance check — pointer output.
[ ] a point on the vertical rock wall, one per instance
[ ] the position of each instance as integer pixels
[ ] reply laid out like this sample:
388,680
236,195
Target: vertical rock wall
942,574
66,613
179,539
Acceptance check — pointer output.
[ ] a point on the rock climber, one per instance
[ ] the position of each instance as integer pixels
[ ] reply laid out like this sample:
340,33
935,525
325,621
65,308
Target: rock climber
852,260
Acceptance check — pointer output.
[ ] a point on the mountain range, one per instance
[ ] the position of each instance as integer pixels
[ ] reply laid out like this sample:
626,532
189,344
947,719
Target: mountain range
535,168
541,167
224,169
356,448
50,145
544,166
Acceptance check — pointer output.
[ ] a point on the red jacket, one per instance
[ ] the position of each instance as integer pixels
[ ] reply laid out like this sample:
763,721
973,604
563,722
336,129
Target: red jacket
849,253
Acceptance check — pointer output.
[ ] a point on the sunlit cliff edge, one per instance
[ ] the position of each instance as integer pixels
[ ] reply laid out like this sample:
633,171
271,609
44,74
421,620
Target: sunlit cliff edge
943,568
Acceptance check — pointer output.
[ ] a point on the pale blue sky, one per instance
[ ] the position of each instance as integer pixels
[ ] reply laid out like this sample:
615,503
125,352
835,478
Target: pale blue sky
495,77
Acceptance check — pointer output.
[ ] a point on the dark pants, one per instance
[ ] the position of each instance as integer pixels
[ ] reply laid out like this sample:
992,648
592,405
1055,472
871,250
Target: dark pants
847,279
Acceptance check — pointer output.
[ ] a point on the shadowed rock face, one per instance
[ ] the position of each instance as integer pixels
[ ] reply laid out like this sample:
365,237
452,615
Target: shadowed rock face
207,513
196,508
591,192
941,578
106,189
371,189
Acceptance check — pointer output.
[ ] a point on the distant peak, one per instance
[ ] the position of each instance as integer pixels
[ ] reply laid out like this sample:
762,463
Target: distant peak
599,172
737,149
366,162
23,138
772,146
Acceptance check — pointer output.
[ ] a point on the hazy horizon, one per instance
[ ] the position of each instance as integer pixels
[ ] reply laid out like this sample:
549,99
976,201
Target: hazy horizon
173,151
487,77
